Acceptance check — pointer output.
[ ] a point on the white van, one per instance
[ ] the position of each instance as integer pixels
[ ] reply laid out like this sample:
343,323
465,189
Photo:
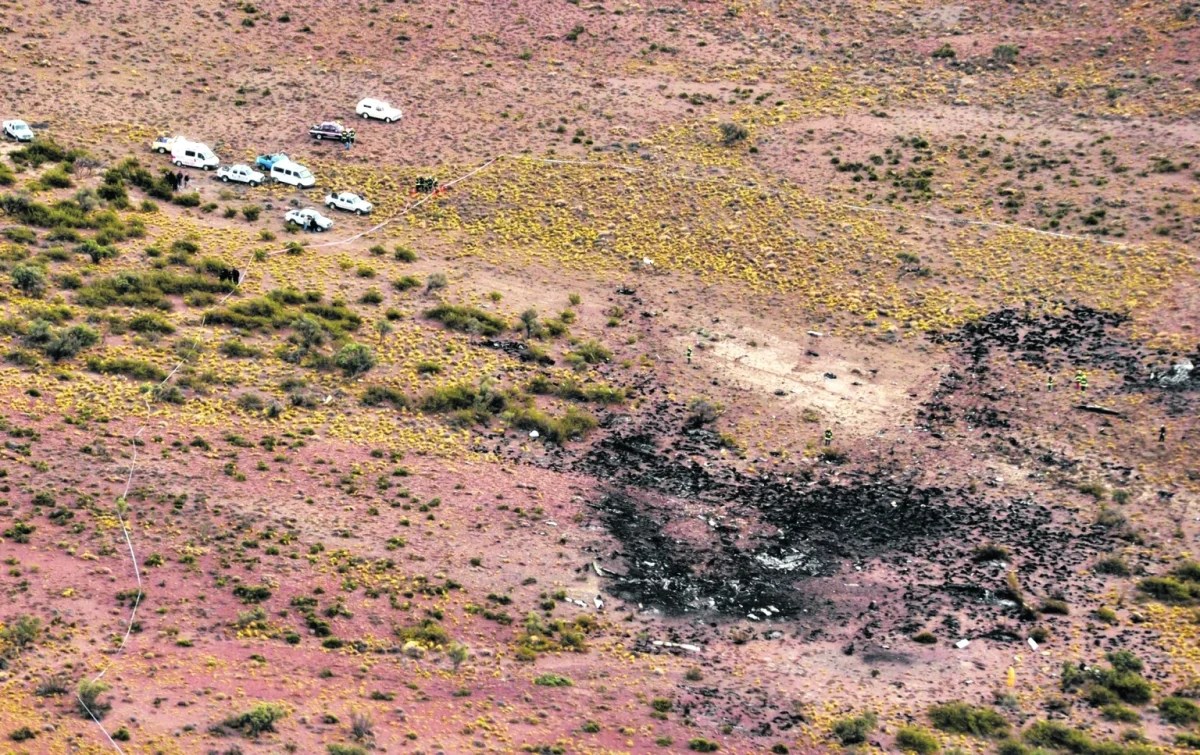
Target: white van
293,174
193,155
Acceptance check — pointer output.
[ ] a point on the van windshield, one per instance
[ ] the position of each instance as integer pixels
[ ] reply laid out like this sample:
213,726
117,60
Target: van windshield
304,173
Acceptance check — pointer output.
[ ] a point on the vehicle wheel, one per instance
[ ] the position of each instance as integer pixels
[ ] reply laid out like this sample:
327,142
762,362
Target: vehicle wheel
178,164
387,120
255,183
225,179
329,205
365,116
358,212
208,167
318,137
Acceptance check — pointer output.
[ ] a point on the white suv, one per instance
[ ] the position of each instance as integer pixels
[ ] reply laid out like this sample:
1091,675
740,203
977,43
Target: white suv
369,108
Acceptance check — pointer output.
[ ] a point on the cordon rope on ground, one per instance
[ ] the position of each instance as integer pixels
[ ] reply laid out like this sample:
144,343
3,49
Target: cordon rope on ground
122,502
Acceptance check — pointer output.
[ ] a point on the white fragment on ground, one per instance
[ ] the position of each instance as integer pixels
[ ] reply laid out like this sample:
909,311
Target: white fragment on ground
962,644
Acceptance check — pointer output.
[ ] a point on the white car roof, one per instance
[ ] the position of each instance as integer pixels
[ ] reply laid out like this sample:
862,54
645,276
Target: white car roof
16,122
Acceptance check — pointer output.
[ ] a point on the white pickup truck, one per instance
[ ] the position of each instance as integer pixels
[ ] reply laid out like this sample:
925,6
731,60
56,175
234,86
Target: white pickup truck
240,173
348,201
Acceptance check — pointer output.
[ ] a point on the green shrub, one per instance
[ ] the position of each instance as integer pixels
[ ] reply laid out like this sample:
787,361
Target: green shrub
1117,712
405,283
55,178
237,349
590,352
20,235
553,680
21,632
187,200
44,150
1179,711
1005,53
404,254
855,729
261,718
340,749
251,212
88,699
1170,590
379,394
732,133
961,718
22,734
916,739
150,322
354,359
252,593
1058,736
700,744
134,368
29,280
945,51
1114,565
467,319
1191,741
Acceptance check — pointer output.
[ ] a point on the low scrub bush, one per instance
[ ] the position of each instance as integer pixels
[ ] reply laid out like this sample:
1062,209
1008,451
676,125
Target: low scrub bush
467,319
134,368
261,718
854,729
961,718
916,739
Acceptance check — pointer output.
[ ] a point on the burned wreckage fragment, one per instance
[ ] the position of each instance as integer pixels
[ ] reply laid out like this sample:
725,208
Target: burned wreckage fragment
787,529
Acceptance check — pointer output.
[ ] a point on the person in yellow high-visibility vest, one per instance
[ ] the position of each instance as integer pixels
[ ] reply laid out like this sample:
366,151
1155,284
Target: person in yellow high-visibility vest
828,437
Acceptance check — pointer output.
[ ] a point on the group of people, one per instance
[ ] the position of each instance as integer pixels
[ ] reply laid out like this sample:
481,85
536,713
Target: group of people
177,180
348,137
1080,380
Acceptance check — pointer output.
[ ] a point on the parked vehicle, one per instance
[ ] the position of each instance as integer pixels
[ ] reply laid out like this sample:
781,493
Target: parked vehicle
344,200
193,155
19,130
240,173
292,173
163,144
327,130
371,108
308,219
266,161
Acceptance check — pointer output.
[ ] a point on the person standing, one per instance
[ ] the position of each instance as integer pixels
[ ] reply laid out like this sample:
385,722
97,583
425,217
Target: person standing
1050,383
828,437
1162,434
689,355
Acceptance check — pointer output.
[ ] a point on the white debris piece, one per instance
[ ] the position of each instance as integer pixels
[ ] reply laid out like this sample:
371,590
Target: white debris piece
962,644
1032,644
534,434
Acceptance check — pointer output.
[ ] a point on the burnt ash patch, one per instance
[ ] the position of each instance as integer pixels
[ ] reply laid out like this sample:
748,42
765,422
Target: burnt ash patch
765,536
1080,338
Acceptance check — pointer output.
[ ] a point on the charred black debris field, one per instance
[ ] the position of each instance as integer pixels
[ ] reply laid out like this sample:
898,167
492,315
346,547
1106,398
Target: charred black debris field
693,534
